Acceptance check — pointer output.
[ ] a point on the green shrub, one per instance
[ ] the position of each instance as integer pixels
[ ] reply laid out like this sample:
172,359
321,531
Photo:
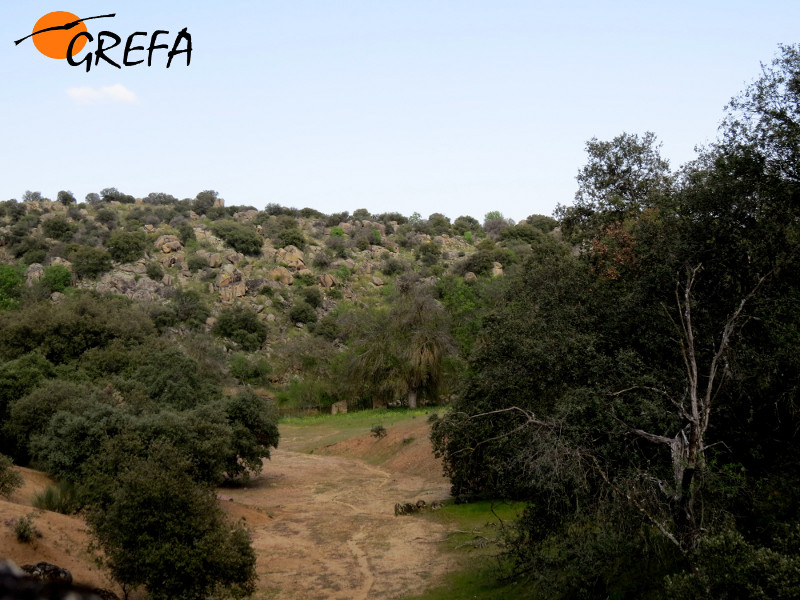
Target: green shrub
242,326
242,238
195,262
11,282
378,431
9,478
56,278
25,529
58,228
429,253
61,498
342,273
251,370
126,247
89,262
337,232
302,312
154,271
107,217
312,296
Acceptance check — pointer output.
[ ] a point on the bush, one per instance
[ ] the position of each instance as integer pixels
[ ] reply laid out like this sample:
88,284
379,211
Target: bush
25,529
58,228
251,370
11,282
378,431
57,278
195,262
312,296
126,247
89,262
242,326
9,478
429,253
302,312
61,498
242,238
154,271
107,217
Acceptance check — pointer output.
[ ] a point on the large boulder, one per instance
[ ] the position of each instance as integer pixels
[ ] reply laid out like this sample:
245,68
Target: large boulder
47,572
292,257
230,283
33,274
497,269
282,275
327,281
168,244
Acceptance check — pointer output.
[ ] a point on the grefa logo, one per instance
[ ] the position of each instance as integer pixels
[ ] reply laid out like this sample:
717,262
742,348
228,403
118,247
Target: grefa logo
62,35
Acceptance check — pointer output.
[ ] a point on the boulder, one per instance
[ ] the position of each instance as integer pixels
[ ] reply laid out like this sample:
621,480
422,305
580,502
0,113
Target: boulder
282,275
33,274
230,283
255,285
47,572
470,276
234,257
292,257
168,244
497,269
327,281
377,281
61,261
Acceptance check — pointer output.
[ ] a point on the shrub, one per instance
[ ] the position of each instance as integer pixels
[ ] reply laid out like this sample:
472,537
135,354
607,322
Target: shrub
11,282
61,498
89,262
302,312
378,431
56,278
393,266
25,529
321,260
195,262
242,238
252,370
429,253
58,228
242,326
107,217
154,271
312,296
126,247
9,478
337,232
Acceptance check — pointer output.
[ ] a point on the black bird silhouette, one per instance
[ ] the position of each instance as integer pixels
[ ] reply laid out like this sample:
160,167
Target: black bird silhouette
65,26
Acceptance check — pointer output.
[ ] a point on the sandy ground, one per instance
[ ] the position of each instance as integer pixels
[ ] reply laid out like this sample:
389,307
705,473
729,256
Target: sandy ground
322,523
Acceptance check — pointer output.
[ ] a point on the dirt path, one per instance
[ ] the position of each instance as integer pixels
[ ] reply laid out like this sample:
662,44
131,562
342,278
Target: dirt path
324,527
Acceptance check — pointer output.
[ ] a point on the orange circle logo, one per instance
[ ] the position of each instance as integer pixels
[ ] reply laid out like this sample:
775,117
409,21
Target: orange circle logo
59,29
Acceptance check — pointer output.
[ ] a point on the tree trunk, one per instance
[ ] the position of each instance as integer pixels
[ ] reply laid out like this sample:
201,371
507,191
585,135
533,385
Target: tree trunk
412,398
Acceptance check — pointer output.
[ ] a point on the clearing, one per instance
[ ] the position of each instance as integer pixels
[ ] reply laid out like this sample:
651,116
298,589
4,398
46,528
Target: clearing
321,513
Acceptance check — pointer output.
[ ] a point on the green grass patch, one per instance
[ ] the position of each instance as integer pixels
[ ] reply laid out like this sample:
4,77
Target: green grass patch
473,531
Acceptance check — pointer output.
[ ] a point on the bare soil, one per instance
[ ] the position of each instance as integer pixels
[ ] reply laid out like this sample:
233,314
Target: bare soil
321,517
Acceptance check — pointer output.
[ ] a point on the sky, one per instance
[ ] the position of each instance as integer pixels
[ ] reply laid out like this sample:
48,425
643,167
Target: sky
458,107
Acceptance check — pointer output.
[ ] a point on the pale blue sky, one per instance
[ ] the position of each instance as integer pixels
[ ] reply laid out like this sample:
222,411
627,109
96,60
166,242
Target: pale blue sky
440,106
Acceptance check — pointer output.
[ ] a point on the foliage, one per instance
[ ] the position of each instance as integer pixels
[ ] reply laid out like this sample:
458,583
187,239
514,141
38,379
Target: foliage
378,431
254,429
11,282
89,262
250,369
25,530
56,277
185,548
242,238
10,480
195,262
312,296
58,228
61,498
204,201
242,326
126,247
154,271
302,312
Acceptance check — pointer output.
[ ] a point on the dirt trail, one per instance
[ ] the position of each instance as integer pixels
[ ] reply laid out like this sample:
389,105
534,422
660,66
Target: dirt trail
323,524
324,527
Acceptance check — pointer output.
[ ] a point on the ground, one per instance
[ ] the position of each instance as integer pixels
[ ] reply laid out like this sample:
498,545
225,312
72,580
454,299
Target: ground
321,515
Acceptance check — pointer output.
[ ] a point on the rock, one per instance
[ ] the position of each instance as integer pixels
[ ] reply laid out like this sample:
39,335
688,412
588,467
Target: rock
255,285
270,317
47,572
234,257
61,261
282,275
56,297
230,283
214,259
33,274
211,321
246,215
136,268
168,244
292,257
305,272
470,276
168,279
377,281
327,281
149,228
497,269
339,407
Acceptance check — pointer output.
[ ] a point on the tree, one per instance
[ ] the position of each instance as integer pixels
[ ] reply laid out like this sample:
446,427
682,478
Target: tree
622,177
90,262
242,326
66,198
161,531
402,352
205,200
126,247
